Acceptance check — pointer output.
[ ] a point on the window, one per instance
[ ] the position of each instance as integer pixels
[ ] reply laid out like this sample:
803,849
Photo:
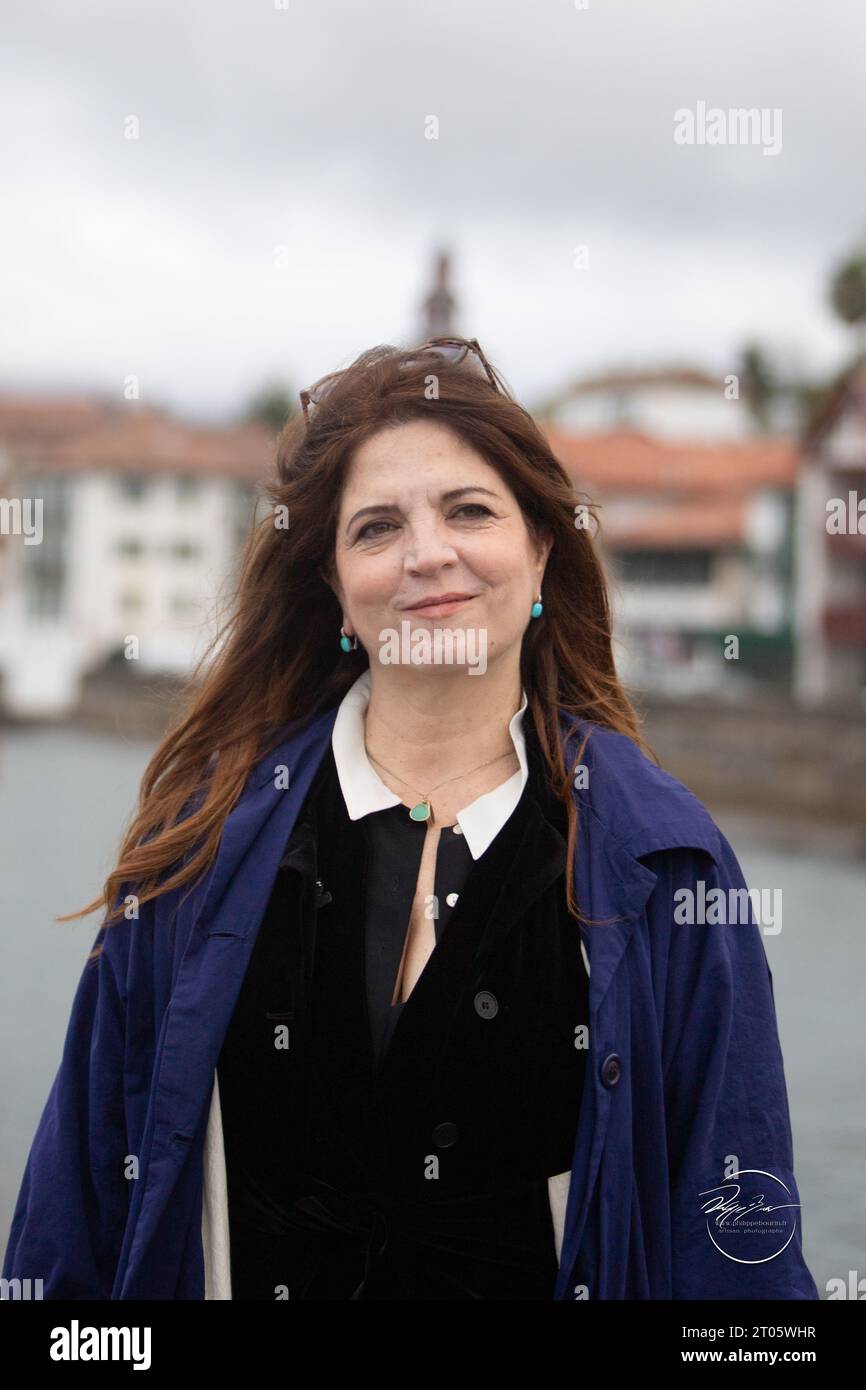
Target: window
44,569
184,550
186,488
665,566
129,547
132,487
130,601
182,606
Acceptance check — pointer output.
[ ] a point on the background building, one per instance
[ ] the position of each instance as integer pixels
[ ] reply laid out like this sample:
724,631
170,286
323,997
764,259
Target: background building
698,542
831,563
142,519
677,403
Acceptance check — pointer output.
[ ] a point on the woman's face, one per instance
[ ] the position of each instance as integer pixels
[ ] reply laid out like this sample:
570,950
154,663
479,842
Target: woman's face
423,515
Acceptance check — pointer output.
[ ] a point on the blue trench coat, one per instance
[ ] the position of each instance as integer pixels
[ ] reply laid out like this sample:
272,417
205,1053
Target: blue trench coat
684,1066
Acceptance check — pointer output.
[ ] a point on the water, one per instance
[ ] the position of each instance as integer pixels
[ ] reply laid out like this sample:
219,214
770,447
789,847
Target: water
818,962
66,797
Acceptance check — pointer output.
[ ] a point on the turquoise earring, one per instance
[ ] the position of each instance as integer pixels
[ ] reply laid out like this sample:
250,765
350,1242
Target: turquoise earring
537,608
349,644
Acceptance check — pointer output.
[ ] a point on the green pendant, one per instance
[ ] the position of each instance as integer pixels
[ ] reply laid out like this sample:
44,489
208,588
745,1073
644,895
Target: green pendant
421,811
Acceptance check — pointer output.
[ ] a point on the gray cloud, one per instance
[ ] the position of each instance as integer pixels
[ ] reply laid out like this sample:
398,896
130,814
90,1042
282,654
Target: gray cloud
305,128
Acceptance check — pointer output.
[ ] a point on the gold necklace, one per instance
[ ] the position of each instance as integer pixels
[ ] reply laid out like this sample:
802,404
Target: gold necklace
422,810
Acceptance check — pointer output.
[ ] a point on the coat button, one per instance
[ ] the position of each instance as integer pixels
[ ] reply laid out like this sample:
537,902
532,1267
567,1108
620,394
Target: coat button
445,1135
486,1005
611,1069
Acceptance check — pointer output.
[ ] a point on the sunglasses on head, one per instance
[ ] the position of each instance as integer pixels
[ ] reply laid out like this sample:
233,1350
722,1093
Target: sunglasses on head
449,350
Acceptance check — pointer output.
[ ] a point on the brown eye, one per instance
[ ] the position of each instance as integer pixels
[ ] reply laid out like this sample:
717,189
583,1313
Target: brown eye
363,533
474,506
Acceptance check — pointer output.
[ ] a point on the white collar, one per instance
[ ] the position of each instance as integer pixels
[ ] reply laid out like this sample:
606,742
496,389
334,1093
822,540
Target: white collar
364,791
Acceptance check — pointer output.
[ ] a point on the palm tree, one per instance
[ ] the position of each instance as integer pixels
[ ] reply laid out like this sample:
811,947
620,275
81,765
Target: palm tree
848,293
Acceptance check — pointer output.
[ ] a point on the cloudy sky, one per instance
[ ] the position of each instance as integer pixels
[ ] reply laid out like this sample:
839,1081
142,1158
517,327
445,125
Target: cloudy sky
280,207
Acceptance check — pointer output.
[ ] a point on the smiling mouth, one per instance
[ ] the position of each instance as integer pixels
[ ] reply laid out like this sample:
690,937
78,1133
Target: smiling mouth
442,609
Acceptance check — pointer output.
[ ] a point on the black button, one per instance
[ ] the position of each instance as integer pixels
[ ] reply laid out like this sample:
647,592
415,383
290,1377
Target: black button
611,1069
486,1004
445,1135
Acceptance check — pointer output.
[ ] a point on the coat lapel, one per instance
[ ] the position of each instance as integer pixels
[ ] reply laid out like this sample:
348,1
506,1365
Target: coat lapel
211,971
264,812
630,809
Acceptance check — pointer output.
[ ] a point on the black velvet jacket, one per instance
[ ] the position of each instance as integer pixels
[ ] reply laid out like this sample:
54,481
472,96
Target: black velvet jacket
421,1173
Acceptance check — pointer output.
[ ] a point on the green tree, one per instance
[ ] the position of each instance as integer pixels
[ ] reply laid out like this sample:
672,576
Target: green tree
272,406
848,290
759,383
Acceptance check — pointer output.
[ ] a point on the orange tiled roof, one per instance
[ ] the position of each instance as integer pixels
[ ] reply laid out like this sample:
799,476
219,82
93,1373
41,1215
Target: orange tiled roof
26,419
136,439
626,461
700,523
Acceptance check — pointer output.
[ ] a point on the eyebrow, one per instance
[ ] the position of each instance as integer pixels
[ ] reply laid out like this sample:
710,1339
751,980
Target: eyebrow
445,497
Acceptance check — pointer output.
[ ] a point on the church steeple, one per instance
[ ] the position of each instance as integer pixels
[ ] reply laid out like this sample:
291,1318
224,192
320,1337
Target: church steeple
437,308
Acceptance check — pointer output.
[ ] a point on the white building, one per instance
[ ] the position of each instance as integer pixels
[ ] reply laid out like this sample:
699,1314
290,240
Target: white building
697,539
831,549
675,403
121,529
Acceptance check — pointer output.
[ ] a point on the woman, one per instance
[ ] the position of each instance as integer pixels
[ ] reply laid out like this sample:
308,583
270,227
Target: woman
395,997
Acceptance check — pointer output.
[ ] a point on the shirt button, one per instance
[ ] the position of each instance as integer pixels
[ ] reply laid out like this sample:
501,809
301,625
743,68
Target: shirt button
458,829
445,1135
611,1069
486,1005
452,898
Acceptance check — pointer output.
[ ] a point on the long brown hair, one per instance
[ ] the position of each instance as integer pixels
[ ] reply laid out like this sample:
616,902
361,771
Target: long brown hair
276,659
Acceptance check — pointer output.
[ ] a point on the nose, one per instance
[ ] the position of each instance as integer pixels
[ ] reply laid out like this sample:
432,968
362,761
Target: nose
427,546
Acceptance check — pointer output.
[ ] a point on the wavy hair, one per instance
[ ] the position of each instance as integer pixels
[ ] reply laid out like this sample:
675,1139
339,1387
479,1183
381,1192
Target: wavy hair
275,661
